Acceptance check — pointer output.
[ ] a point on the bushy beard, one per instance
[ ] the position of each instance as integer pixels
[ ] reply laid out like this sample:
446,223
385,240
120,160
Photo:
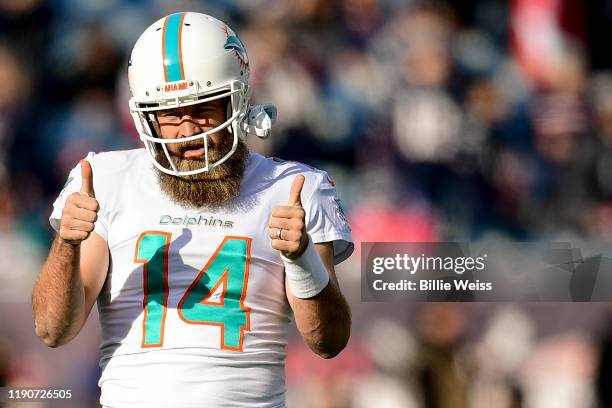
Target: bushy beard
208,189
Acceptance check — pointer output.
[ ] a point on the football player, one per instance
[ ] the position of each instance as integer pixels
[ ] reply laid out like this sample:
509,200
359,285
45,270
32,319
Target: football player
197,251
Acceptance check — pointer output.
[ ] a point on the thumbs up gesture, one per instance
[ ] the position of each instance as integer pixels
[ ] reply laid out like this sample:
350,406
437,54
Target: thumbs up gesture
287,226
81,210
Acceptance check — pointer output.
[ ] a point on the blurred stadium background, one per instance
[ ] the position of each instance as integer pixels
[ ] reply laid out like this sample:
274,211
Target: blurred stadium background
438,120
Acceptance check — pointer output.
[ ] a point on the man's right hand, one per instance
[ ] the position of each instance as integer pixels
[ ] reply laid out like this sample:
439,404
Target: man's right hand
81,210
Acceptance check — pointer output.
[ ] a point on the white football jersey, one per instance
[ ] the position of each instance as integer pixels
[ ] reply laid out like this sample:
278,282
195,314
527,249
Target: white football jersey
194,311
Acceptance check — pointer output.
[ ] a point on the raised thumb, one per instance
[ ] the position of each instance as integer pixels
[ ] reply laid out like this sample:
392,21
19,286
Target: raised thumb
295,198
87,176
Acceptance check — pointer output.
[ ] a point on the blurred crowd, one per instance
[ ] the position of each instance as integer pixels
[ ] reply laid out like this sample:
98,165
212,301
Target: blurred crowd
438,120
463,356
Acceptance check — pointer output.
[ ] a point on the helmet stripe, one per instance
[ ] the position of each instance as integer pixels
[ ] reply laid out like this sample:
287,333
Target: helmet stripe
171,45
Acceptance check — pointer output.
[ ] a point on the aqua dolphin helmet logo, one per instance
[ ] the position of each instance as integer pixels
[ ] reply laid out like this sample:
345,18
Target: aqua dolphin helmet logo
234,43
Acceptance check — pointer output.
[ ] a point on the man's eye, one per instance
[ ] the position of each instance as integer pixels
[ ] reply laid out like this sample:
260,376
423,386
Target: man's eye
169,115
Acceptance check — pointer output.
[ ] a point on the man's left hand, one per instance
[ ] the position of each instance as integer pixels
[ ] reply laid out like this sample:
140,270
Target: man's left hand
287,226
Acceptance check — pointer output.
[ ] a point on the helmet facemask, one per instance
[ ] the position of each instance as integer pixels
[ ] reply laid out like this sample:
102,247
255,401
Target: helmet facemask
148,128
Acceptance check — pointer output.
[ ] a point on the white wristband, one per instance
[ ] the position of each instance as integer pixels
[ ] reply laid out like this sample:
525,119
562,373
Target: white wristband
307,275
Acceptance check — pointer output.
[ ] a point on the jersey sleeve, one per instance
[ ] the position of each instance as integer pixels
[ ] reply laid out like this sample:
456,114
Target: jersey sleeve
72,185
326,220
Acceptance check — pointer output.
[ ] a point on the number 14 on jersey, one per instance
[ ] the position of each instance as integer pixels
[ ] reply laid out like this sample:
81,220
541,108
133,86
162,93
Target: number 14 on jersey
226,270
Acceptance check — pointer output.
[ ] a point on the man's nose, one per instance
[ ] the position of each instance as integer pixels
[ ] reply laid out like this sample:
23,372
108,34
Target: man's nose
188,127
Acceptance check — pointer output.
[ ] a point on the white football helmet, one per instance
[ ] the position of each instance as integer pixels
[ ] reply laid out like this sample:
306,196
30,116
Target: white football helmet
185,59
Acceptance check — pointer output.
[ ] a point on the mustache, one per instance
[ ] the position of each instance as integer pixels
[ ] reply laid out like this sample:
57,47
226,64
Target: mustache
182,147
216,150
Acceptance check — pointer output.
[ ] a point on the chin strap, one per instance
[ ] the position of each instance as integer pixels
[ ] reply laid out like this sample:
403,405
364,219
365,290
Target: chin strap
259,120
